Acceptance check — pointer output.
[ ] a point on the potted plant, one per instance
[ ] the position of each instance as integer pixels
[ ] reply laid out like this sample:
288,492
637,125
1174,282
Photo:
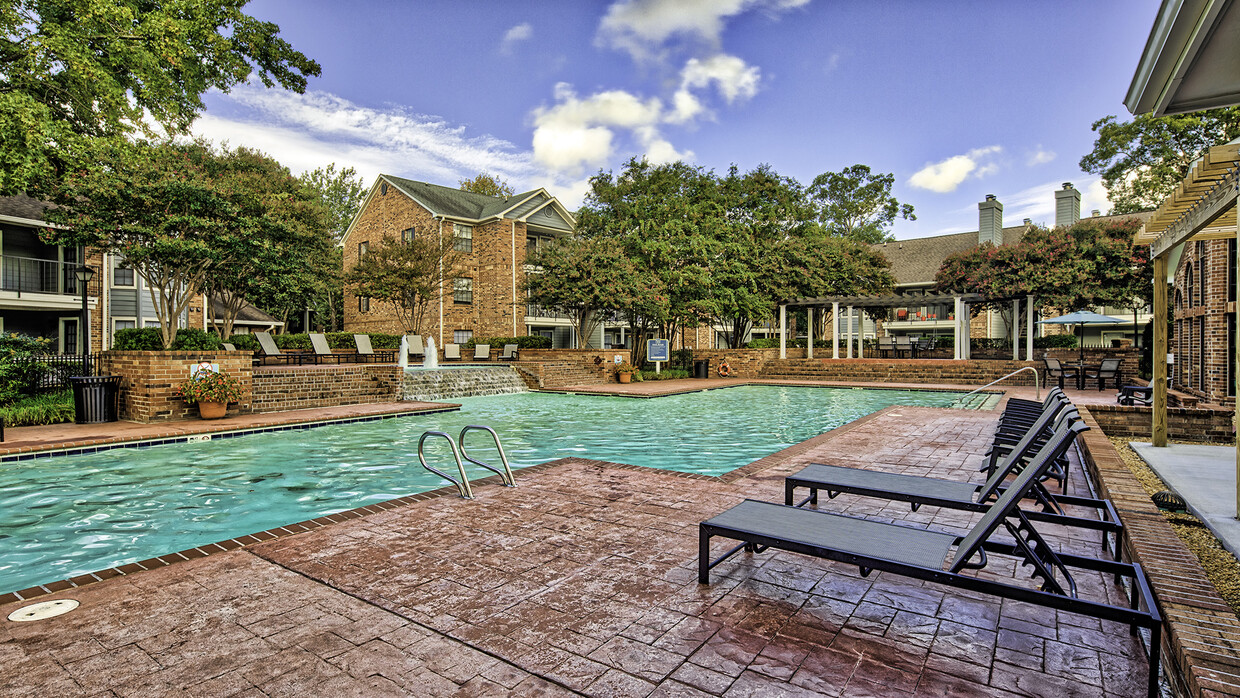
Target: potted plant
211,391
624,372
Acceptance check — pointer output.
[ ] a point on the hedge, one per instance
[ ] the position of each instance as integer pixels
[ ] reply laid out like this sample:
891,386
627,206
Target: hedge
152,339
524,342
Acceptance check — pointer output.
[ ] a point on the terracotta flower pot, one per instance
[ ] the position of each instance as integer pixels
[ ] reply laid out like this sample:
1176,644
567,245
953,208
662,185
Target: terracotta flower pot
624,377
212,410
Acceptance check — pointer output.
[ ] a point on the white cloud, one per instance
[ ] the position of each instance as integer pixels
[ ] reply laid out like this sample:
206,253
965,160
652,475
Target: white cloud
731,76
944,176
576,133
1038,202
1040,157
643,27
515,35
833,62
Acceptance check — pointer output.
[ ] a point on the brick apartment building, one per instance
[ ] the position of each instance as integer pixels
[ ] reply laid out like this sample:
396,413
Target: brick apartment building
496,234
1204,315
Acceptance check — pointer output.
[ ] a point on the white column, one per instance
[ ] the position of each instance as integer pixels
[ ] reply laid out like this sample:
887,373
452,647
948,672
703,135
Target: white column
835,330
1028,328
783,331
956,328
850,331
1016,330
965,331
861,335
809,330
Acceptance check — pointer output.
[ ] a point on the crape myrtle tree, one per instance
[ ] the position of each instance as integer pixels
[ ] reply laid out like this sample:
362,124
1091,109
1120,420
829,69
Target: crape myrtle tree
588,278
112,69
1142,161
856,203
406,275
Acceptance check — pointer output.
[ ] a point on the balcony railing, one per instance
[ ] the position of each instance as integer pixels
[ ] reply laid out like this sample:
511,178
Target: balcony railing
542,311
29,275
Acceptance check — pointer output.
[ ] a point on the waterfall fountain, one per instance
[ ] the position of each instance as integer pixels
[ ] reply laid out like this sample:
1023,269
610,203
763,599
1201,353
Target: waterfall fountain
430,381
402,356
432,354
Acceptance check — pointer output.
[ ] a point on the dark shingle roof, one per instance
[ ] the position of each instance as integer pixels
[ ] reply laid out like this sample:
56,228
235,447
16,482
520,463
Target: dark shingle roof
22,206
248,313
456,203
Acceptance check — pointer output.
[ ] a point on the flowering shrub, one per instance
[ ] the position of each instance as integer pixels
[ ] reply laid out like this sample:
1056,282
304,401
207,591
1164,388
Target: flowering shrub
625,367
209,386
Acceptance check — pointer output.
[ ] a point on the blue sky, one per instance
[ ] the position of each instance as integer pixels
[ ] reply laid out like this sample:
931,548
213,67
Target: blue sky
956,99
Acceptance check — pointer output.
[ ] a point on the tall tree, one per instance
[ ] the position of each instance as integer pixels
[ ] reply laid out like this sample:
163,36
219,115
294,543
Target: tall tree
156,205
488,184
857,204
586,278
342,192
112,68
407,275
1142,161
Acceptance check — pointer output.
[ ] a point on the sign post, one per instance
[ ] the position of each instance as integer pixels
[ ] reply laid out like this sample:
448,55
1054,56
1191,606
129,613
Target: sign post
656,351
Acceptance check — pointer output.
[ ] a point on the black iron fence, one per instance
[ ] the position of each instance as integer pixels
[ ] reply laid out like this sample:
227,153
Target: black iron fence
47,372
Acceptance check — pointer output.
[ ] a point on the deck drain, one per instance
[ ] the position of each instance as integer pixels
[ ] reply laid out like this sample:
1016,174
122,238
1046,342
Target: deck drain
43,610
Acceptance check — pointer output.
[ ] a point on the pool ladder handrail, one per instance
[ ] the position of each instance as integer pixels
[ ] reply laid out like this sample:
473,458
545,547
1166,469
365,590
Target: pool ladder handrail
462,485
1037,386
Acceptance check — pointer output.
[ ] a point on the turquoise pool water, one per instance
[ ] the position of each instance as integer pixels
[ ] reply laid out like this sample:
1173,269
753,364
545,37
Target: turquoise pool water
64,516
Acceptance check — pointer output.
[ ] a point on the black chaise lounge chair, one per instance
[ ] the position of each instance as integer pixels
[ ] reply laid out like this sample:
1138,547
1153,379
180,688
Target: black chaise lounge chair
921,554
1135,395
967,496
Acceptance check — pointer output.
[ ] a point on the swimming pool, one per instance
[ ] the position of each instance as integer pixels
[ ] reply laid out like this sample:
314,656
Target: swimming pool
65,516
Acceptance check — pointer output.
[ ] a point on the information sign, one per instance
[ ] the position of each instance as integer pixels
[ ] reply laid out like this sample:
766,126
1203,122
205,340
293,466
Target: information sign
656,350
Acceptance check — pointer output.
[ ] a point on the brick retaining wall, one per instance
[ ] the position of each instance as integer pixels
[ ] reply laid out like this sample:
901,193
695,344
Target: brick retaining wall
1202,638
148,379
972,372
1212,426
557,368
280,388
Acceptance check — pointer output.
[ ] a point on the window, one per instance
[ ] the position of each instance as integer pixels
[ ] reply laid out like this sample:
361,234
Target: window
406,235
121,276
1231,351
1188,275
462,336
1201,354
1201,272
363,304
363,248
463,291
462,238
1231,270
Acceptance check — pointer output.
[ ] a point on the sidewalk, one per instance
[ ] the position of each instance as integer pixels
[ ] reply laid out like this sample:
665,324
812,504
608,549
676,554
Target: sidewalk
1205,476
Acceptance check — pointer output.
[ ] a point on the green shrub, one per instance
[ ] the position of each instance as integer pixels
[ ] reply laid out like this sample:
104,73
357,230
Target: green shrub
296,342
196,340
1055,341
523,342
244,342
49,408
665,375
138,339
20,376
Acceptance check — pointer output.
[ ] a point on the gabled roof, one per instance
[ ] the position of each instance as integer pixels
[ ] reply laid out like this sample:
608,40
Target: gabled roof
247,315
456,203
916,261
1190,60
22,206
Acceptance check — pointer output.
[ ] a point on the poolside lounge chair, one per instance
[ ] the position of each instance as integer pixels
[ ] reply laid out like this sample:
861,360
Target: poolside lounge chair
452,352
416,349
886,346
482,352
366,352
268,352
229,347
921,554
510,353
323,351
1056,370
1109,368
967,496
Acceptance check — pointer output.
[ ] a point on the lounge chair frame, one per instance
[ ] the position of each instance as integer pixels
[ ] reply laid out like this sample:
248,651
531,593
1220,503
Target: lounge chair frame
909,552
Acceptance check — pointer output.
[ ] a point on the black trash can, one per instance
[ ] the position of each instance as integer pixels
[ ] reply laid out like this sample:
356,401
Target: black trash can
96,399
701,368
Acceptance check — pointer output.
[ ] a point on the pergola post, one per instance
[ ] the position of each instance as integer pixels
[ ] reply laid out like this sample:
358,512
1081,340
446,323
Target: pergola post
966,331
956,329
861,335
1016,329
835,330
783,331
850,331
1029,328
809,330
1158,434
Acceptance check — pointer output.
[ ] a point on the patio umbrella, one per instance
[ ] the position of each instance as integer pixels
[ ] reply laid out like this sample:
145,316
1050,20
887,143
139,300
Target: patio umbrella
1082,318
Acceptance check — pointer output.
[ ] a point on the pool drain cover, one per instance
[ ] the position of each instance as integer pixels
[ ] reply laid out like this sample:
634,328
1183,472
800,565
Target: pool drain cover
43,610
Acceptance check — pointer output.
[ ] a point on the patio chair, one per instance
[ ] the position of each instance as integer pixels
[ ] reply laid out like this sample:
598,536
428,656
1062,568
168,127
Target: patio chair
925,344
482,352
922,554
510,353
904,345
886,346
323,351
966,496
229,347
452,352
1136,395
1056,370
268,352
1109,368
365,351
416,348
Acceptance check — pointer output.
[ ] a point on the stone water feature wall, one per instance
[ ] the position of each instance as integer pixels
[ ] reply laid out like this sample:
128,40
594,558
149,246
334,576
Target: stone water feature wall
460,381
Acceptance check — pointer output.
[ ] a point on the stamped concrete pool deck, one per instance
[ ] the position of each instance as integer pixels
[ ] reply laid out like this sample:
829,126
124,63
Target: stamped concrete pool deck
582,581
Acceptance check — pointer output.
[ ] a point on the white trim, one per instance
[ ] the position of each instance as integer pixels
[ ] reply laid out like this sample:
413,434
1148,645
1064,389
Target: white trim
60,334
29,222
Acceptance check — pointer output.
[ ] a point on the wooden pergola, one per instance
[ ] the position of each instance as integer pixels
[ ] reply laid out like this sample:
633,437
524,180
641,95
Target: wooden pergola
961,302
1203,207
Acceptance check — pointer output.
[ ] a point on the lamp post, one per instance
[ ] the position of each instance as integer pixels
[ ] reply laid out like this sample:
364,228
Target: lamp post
84,274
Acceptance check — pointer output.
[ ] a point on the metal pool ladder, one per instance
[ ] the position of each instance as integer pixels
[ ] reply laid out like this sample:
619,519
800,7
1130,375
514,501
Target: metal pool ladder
458,452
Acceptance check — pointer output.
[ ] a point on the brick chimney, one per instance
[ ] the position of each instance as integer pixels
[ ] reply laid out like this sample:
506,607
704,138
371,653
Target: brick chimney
1067,205
990,221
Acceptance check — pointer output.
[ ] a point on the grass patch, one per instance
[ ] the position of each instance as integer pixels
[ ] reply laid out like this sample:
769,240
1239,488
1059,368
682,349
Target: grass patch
48,408
666,375
1222,568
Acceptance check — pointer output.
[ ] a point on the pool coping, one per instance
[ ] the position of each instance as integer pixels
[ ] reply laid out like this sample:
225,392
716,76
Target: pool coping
239,542
608,391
